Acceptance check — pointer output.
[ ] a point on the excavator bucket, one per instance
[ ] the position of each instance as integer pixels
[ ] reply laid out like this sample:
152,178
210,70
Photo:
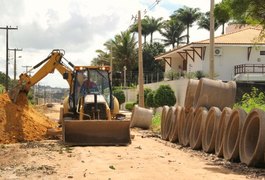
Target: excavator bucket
96,132
13,93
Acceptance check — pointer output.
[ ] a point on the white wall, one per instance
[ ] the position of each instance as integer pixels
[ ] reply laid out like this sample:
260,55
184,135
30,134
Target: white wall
175,63
196,65
224,65
178,86
231,56
255,54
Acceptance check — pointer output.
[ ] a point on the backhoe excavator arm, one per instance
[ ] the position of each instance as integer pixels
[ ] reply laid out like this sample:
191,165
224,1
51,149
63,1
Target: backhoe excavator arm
52,62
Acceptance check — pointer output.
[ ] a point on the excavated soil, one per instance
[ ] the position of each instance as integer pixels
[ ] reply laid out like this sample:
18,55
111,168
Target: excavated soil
19,122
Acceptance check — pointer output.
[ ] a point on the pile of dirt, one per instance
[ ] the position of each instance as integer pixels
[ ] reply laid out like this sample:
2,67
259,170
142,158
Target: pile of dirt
20,122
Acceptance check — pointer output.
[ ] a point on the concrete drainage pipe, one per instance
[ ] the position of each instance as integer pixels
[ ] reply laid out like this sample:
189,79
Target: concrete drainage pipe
187,126
209,133
163,119
252,141
232,134
180,125
173,136
190,93
197,128
215,93
141,117
169,122
220,132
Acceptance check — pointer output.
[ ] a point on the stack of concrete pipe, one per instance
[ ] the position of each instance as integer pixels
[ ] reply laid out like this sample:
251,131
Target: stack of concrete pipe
207,122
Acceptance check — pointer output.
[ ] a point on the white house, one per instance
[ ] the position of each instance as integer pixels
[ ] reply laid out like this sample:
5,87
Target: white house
238,55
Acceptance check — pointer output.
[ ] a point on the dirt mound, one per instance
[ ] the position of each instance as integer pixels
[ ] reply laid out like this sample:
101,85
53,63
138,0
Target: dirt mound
20,122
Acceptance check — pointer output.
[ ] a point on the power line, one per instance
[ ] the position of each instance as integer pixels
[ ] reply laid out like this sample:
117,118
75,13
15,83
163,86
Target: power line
152,6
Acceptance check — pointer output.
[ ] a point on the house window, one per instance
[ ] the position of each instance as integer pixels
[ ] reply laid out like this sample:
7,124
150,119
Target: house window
262,52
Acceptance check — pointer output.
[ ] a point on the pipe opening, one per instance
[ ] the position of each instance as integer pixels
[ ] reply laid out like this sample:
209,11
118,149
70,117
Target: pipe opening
233,134
252,136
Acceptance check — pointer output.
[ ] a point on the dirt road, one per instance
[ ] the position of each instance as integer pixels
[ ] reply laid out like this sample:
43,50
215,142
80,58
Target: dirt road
148,157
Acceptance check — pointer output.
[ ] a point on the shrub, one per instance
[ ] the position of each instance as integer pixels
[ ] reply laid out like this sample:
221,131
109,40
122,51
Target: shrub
119,94
150,99
172,74
129,106
190,75
146,92
254,99
200,74
164,95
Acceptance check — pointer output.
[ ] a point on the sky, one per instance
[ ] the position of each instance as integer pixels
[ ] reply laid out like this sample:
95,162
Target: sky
79,27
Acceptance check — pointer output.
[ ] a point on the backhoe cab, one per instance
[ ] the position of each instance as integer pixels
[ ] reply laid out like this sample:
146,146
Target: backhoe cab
90,113
97,110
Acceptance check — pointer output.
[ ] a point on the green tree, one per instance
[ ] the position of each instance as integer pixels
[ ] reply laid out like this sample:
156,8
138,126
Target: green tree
149,26
222,14
204,22
11,82
149,62
153,25
188,16
124,51
145,30
103,58
172,33
3,78
247,11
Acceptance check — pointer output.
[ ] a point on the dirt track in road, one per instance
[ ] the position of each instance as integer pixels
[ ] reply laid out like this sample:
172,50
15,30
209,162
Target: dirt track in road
148,157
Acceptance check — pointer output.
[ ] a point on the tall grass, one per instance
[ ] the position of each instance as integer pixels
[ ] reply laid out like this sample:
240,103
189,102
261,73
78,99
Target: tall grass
156,123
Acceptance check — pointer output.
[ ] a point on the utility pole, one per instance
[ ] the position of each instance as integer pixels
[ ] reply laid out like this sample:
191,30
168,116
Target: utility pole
111,65
140,62
211,44
27,68
15,61
7,28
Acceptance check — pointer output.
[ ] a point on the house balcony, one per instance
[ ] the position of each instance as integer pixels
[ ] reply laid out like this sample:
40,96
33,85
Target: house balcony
249,72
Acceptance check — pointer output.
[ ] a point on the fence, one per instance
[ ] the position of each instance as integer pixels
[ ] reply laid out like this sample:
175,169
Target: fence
249,68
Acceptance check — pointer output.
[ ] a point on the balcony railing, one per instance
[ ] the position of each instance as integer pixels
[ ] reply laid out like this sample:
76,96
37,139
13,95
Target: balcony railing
249,68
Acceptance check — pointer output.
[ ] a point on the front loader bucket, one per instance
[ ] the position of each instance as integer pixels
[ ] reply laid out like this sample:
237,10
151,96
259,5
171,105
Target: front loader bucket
96,132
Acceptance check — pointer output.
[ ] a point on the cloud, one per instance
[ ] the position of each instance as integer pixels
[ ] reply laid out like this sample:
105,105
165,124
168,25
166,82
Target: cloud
79,27
74,34
10,11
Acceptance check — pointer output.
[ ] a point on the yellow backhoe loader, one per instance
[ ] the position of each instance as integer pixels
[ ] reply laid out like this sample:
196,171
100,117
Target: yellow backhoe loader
90,113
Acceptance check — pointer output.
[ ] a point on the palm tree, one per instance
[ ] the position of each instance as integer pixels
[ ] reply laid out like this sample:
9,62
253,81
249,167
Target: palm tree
222,14
152,25
145,31
204,22
101,59
124,51
172,32
188,16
